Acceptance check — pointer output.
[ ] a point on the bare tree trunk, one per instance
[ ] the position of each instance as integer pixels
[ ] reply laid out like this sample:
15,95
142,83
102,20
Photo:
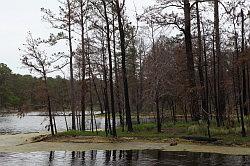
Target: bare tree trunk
141,84
220,75
105,90
200,57
97,93
72,86
157,101
244,90
190,63
243,130
244,85
206,75
91,99
54,121
111,85
65,119
248,86
124,70
49,105
83,90
236,83
215,86
118,100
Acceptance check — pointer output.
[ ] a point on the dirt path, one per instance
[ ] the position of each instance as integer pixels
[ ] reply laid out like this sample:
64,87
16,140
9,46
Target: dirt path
23,143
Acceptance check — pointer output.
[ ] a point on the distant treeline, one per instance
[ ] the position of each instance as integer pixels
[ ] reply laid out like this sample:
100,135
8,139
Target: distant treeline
25,92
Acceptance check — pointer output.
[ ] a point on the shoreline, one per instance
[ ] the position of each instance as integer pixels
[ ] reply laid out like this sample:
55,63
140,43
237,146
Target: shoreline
24,143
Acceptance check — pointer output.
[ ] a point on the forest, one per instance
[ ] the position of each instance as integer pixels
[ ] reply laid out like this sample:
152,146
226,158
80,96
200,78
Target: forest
182,61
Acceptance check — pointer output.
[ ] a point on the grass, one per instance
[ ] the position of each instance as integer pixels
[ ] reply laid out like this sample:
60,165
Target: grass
148,131
75,133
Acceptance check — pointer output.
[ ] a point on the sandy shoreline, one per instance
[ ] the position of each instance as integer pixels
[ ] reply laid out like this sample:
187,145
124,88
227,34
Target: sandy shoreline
22,143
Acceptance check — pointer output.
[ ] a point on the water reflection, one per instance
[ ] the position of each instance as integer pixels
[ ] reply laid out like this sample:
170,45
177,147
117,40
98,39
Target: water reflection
130,158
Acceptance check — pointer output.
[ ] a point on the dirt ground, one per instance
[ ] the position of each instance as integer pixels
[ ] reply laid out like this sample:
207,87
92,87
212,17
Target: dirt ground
25,143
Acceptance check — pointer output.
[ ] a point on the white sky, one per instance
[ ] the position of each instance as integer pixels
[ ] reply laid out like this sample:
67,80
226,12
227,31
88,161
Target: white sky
17,17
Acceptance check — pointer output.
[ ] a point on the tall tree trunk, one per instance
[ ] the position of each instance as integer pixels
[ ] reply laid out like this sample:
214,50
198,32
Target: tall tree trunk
244,85
105,90
200,57
111,85
83,90
190,63
140,84
216,107
124,69
72,86
244,89
243,130
118,100
206,74
236,80
91,98
220,75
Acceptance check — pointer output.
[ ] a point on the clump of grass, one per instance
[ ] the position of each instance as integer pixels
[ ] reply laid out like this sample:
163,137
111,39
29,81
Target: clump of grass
75,133
197,130
145,127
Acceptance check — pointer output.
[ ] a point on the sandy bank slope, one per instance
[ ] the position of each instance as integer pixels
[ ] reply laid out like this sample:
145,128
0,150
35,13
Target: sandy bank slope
22,143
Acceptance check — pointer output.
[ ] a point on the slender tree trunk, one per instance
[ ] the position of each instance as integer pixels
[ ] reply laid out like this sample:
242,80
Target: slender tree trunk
124,70
237,78
105,89
54,121
244,85
220,78
91,98
97,93
72,86
157,101
137,106
215,87
244,110
248,86
141,82
65,119
206,75
83,90
49,106
185,113
243,130
200,57
162,111
111,84
118,100
190,63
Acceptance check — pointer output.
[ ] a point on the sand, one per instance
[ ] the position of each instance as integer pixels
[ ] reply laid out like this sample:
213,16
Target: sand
23,143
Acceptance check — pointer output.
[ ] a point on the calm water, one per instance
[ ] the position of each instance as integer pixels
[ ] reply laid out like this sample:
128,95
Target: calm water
119,158
33,122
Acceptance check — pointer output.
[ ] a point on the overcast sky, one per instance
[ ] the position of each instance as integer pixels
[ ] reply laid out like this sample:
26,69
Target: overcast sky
18,17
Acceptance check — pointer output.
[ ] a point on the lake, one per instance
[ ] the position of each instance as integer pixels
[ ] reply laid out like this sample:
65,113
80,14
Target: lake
33,122
120,158
37,122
